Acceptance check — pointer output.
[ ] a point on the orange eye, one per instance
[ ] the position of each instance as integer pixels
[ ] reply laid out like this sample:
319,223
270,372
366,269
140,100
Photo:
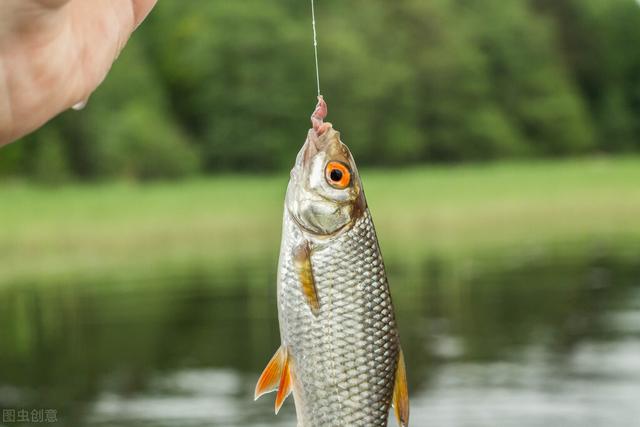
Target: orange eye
337,175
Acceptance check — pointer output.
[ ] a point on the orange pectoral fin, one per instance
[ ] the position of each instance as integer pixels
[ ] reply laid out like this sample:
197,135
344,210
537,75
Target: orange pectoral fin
284,389
302,262
401,393
270,378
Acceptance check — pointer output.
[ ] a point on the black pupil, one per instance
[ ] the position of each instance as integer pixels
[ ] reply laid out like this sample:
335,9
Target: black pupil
336,175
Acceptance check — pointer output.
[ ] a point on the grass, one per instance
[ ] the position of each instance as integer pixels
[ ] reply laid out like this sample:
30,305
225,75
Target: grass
466,211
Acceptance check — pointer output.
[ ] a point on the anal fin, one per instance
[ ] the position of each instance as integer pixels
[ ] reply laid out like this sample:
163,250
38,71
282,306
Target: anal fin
401,393
276,376
302,262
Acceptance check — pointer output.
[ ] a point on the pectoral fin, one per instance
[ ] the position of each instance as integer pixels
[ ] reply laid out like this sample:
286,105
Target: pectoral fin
302,263
401,393
276,376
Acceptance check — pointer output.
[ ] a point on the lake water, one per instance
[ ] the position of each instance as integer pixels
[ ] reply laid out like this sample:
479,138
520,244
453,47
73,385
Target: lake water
541,340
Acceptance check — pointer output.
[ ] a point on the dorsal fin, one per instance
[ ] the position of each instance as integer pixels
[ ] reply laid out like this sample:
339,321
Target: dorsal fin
401,392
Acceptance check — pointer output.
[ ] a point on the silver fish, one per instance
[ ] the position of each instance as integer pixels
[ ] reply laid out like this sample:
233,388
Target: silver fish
340,352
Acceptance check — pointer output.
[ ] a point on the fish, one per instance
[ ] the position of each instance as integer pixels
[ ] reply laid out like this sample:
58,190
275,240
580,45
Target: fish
340,353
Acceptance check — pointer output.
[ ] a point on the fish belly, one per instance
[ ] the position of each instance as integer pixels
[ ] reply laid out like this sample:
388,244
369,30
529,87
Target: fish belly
343,358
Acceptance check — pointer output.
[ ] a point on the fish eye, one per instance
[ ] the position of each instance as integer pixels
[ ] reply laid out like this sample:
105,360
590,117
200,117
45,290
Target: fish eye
337,175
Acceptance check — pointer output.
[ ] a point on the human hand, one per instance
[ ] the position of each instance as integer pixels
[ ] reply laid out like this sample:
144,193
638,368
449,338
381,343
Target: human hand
54,53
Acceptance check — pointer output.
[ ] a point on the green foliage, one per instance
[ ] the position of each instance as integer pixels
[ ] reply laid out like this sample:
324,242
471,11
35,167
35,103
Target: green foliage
49,164
233,70
12,159
134,149
597,41
214,86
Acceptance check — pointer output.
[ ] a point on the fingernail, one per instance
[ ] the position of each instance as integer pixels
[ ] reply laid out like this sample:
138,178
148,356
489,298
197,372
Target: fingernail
80,105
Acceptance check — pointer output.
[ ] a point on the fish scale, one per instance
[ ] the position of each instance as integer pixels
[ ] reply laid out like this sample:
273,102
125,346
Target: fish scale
344,357
340,353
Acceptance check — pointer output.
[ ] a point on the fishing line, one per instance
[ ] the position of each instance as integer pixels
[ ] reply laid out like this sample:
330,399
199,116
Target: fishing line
315,44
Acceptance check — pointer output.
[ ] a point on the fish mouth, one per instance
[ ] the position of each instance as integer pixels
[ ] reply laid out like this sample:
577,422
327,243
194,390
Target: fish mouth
328,141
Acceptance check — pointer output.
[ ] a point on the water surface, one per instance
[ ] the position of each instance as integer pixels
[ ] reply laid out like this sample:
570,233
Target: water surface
543,340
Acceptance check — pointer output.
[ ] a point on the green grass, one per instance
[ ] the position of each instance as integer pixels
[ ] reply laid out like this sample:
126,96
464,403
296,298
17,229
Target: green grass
466,211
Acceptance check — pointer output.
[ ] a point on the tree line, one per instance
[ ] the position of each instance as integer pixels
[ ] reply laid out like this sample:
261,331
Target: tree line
207,87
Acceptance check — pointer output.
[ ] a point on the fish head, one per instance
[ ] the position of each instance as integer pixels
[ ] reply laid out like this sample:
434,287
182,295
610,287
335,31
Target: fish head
325,193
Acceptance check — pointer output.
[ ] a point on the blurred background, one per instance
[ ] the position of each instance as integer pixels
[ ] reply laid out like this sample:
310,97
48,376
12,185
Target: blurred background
498,144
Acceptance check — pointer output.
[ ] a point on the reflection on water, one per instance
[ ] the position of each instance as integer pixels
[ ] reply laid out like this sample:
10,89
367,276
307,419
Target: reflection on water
550,341
198,397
